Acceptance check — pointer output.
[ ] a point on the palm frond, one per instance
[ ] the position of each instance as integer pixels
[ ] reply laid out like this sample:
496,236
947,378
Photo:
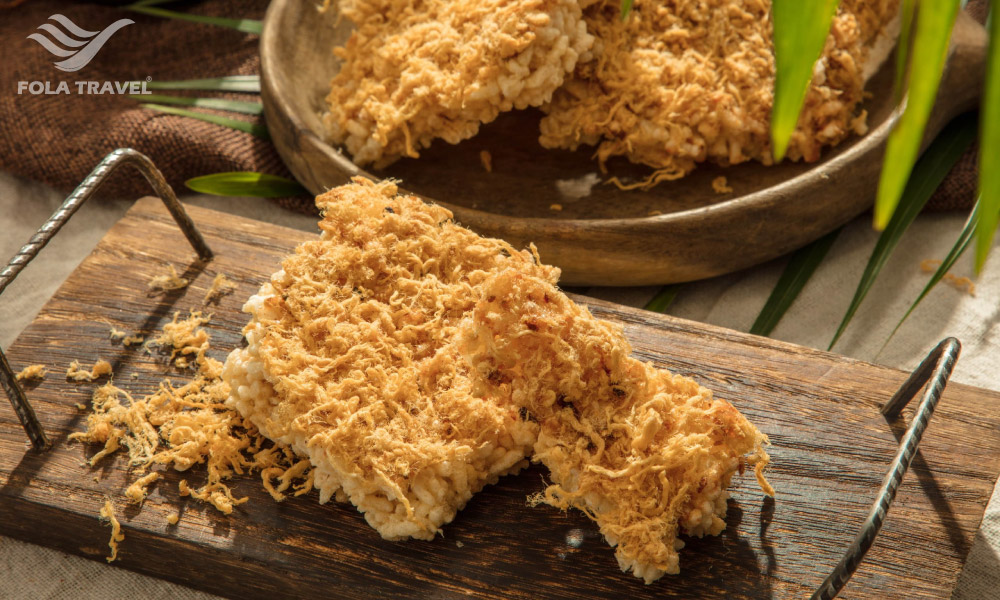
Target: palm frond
246,183
931,170
797,273
989,149
247,108
229,83
927,57
663,299
800,31
957,249
244,25
251,128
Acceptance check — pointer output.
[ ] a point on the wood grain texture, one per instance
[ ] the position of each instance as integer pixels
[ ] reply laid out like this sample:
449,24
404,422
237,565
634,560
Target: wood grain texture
830,450
608,237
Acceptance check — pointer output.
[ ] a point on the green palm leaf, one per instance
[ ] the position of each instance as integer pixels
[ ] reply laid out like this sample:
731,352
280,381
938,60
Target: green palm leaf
247,108
626,8
231,83
245,183
797,272
931,170
927,57
800,31
989,149
244,25
251,128
964,238
663,299
906,10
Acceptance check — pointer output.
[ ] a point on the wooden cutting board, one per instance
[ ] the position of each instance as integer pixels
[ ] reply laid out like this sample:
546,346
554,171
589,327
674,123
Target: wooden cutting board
830,450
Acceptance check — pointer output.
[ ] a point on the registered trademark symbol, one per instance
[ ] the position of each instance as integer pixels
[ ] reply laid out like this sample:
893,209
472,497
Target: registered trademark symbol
149,77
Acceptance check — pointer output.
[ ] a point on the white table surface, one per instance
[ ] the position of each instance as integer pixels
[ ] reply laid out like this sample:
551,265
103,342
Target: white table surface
731,301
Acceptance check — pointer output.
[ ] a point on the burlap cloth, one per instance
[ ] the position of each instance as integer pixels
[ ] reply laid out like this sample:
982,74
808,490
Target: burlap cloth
57,139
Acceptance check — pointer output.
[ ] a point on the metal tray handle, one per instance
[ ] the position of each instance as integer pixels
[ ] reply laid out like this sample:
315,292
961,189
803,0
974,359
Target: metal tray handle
83,192
936,367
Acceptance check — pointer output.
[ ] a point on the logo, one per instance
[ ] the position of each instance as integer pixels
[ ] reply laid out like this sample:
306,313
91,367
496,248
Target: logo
77,47
81,46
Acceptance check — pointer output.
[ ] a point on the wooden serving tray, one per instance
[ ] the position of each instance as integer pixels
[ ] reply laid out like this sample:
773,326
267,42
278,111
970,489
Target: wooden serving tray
830,450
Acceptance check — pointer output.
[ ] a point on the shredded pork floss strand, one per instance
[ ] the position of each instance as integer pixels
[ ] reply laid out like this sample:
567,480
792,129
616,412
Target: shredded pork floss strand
184,425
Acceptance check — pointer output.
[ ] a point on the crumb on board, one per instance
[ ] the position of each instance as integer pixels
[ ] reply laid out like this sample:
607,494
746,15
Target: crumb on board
81,406
459,544
962,284
285,476
720,185
136,493
32,372
172,518
124,337
184,338
75,373
654,213
556,207
221,286
487,160
168,281
185,425
108,514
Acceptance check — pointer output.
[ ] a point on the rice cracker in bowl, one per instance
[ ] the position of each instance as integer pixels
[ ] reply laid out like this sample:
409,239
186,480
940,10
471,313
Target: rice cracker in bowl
413,72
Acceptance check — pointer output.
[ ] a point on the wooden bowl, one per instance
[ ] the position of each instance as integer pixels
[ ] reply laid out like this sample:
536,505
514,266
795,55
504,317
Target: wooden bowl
608,237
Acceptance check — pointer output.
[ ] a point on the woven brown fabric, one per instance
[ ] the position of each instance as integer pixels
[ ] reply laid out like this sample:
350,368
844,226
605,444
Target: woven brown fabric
958,190
58,139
